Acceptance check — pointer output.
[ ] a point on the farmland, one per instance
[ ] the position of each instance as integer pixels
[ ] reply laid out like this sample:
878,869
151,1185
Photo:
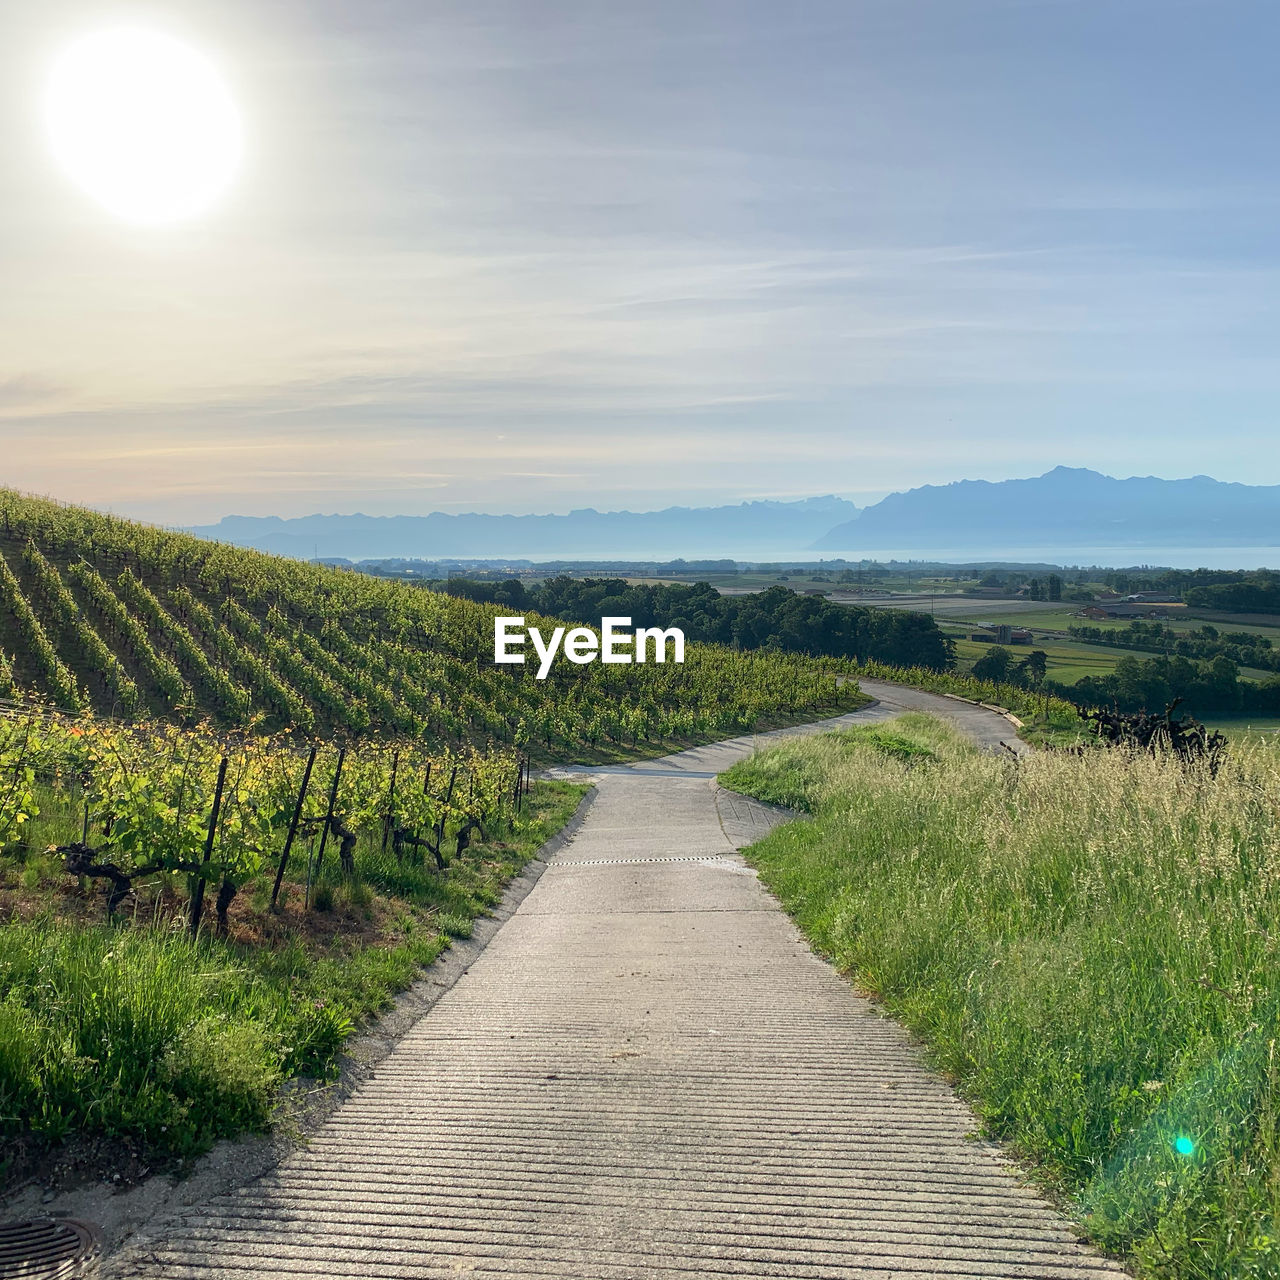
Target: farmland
1069,659
1067,662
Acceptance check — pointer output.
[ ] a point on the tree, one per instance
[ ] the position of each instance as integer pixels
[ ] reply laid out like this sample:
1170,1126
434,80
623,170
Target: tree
994,665
1055,586
1034,667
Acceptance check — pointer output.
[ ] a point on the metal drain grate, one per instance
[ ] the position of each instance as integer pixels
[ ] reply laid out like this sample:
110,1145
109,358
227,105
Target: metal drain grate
629,862
48,1248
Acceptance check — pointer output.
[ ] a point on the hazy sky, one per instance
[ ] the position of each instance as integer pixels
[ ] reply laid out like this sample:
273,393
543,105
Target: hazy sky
537,255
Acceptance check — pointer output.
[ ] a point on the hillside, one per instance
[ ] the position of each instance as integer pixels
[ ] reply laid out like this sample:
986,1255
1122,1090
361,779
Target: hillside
126,619
742,529
1068,506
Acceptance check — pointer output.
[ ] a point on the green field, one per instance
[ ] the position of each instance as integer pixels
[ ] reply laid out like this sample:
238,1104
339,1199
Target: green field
970,611
1067,662
1178,622
1256,726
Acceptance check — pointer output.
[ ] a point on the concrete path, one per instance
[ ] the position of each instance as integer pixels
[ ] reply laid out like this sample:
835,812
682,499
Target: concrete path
647,1074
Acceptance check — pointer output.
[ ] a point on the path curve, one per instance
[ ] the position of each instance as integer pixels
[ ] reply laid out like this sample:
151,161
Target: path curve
989,729
647,1074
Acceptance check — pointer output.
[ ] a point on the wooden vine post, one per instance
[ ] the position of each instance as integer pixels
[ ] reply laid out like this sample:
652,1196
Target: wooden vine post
391,802
328,819
444,816
293,828
197,896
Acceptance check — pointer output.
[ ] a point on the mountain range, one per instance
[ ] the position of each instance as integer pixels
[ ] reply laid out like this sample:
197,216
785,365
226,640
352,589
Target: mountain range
746,528
1069,509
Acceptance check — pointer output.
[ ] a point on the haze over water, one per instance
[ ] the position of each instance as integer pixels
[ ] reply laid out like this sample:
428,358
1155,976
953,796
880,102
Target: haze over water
1107,557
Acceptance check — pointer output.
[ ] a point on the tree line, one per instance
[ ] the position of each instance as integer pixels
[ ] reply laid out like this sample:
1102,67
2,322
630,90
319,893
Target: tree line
1243,647
1206,687
777,619
1228,590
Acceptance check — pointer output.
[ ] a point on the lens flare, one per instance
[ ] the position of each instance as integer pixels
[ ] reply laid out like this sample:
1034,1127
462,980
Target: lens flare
1185,1147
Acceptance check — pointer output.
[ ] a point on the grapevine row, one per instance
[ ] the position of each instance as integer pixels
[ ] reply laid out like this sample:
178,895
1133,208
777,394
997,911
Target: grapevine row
149,791
60,605
232,701
60,682
161,671
267,689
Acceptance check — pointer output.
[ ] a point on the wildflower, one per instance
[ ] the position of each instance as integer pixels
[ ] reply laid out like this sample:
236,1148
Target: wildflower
1153,1086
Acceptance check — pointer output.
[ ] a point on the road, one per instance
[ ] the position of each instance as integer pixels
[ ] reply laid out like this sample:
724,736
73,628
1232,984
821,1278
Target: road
646,1074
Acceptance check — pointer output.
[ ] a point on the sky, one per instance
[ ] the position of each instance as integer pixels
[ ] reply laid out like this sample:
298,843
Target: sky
499,255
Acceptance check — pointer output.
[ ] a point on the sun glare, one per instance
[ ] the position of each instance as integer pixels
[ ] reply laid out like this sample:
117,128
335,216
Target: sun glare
144,124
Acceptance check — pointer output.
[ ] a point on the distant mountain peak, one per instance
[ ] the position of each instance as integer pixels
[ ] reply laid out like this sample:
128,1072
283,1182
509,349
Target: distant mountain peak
1066,507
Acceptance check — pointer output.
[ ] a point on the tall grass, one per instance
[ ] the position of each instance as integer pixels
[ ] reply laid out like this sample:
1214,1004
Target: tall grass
1090,944
140,1032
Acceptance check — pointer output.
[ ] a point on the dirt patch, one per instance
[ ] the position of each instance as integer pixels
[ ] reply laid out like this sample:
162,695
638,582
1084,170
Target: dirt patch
56,1167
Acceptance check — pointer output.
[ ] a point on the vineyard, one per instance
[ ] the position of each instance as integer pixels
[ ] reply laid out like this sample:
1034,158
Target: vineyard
154,799
190,916
127,620
244,799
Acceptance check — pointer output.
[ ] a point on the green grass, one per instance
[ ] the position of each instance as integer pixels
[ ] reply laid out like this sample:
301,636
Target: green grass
1067,662
132,1030
1089,945
1249,727
793,779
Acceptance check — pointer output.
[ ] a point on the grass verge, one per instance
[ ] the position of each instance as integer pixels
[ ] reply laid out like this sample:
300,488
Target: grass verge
133,1031
1088,945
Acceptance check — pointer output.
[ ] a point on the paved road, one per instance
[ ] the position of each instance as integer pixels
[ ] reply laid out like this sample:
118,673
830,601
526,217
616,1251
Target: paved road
991,731
647,1074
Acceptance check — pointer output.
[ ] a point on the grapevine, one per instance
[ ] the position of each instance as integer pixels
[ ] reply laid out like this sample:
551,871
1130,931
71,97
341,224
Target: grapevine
62,686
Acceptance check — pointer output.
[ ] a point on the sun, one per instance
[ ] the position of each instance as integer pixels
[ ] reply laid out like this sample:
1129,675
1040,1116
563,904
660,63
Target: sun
144,124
